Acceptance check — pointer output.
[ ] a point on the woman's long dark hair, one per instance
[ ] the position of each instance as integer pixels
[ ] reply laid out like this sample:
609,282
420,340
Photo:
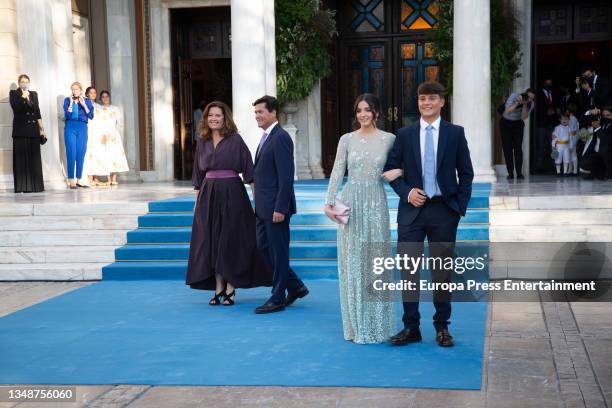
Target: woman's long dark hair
229,126
374,104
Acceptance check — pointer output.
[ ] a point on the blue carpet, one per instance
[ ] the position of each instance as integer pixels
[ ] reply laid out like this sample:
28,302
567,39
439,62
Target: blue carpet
161,332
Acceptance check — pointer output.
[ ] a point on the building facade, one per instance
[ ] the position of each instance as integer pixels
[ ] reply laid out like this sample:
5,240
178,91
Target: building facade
161,58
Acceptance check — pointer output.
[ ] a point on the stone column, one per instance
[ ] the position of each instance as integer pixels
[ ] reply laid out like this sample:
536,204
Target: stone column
123,82
47,56
314,132
472,82
161,95
9,71
253,63
523,10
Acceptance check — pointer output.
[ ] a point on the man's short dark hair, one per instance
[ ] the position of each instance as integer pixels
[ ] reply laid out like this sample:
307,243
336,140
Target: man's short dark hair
588,67
531,90
270,101
607,108
431,88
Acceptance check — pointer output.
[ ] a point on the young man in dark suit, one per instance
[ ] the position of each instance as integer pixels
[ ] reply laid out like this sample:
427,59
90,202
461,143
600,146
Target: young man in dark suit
274,204
434,193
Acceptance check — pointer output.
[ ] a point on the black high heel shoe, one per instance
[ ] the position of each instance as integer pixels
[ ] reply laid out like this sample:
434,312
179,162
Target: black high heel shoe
216,300
228,298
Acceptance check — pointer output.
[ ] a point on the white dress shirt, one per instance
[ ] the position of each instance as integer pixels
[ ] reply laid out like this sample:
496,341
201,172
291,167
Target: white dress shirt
267,133
269,129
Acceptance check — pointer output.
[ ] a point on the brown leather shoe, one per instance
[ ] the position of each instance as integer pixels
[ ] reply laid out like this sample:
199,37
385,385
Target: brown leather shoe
444,338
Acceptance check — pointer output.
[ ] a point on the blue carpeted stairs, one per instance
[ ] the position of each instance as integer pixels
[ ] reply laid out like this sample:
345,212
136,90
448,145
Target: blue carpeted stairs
159,248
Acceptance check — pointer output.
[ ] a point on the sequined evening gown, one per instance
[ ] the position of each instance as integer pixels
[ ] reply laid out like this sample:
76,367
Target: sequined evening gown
366,317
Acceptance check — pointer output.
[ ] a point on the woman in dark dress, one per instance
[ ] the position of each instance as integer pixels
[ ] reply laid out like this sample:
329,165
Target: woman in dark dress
27,134
223,254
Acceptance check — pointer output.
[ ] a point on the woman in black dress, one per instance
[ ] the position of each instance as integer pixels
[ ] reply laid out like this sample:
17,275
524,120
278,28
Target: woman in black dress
28,133
223,254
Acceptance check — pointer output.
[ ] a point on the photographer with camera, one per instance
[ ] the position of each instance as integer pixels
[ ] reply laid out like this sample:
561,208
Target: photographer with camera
512,124
593,92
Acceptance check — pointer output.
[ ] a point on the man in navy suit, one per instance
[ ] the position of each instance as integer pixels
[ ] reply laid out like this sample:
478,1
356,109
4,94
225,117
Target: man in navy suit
274,204
434,193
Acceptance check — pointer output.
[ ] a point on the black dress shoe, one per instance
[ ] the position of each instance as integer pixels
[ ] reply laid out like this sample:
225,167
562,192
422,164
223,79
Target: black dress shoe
298,294
81,186
270,307
510,177
444,338
520,177
406,336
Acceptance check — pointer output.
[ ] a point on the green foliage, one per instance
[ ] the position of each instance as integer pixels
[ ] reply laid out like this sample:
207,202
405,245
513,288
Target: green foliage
304,30
505,48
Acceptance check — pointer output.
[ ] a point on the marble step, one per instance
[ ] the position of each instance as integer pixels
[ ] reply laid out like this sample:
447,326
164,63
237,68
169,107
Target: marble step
180,252
551,233
63,208
564,202
51,272
62,238
306,269
319,233
68,222
573,217
57,254
173,220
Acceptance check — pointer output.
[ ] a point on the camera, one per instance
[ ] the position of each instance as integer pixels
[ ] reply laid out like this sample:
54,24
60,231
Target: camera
525,98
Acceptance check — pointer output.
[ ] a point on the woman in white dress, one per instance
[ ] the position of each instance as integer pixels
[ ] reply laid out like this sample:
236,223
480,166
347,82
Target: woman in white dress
95,164
111,128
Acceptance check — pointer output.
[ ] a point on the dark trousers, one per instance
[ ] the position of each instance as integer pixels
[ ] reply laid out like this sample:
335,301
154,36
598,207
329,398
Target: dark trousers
595,164
438,223
542,154
512,144
273,243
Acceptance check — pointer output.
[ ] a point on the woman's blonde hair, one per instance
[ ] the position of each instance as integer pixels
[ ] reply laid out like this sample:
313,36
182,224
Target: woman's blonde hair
229,126
77,84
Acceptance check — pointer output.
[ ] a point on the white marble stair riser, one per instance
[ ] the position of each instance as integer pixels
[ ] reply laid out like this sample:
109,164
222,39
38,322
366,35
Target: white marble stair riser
68,222
51,272
79,208
546,270
57,254
62,238
551,233
578,217
579,202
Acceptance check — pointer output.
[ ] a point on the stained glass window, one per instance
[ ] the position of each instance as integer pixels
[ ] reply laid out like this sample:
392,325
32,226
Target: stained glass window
593,19
418,14
367,15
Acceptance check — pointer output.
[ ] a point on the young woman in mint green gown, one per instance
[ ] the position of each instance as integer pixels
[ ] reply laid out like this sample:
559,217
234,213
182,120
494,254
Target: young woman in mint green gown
367,315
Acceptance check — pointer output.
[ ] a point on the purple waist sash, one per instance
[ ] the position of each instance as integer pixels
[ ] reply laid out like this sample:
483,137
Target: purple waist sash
218,174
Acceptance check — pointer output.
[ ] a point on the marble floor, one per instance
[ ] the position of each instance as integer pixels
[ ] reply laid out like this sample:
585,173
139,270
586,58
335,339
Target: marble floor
538,186
536,355
132,192
534,186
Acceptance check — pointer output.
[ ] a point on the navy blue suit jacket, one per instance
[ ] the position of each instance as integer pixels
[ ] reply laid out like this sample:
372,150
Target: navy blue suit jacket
454,168
273,175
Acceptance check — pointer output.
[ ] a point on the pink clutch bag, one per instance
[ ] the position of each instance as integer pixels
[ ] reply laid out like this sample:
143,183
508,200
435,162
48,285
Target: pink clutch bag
343,211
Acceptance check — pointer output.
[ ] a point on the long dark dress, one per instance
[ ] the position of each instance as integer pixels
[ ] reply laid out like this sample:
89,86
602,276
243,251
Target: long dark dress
27,164
223,237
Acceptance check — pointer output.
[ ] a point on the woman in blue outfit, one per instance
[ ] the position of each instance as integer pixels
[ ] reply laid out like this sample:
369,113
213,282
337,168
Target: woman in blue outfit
77,111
